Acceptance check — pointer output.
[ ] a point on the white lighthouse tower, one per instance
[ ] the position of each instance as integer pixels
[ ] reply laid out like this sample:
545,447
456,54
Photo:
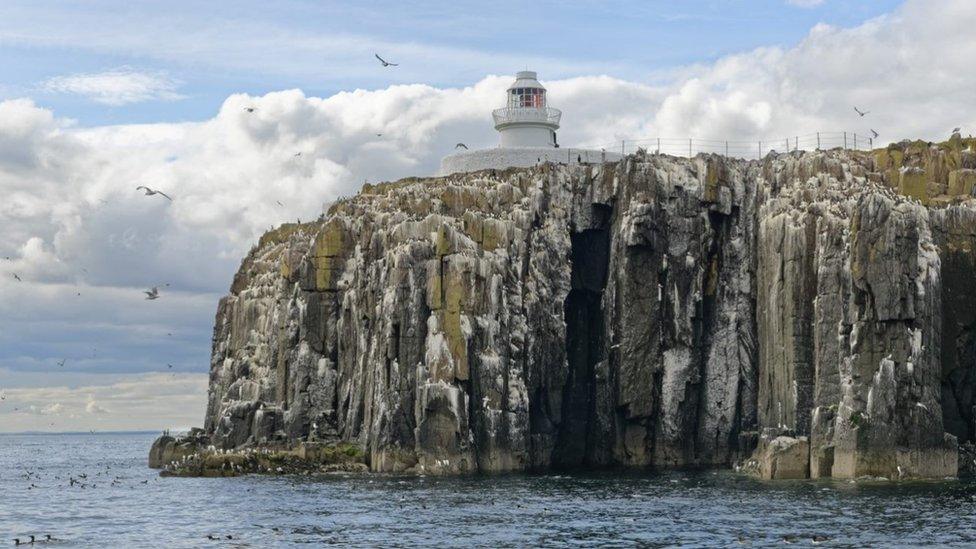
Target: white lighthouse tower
527,120
527,125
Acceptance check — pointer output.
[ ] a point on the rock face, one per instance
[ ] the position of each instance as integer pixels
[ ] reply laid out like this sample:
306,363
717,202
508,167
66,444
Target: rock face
655,311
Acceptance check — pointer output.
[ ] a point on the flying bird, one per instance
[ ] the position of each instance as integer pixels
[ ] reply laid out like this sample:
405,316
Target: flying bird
278,202
168,365
860,112
384,62
299,153
250,109
461,146
17,277
62,361
151,192
152,293
379,135
874,134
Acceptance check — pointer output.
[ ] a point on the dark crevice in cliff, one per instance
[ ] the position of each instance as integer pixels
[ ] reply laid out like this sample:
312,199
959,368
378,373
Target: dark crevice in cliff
584,316
958,355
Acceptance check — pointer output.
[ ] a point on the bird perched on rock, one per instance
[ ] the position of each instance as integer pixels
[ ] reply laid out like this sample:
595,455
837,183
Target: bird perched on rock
151,192
152,293
461,146
860,112
384,62
956,130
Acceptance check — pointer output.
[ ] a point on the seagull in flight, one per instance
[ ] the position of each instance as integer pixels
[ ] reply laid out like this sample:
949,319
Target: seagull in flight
461,146
874,134
152,293
150,192
384,62
61,362
299,153
250,109
168,365
17,277
860,112
278,202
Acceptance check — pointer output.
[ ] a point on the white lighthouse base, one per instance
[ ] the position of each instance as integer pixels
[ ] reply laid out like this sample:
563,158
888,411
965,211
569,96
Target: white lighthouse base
520,157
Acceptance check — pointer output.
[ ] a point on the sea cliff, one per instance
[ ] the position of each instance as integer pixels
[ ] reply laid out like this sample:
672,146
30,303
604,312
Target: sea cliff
808,314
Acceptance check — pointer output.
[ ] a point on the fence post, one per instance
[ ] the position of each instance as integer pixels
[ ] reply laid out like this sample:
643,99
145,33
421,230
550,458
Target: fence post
726,149
845,140
818,141
689,147
796,146
870,143
855,141
760,150
658,145
787,144
622,150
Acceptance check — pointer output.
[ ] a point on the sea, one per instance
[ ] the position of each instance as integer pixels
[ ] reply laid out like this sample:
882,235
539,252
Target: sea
123,503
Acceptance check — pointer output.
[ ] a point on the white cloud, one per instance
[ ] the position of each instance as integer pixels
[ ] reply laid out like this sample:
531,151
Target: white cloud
53,408
117,87
93,407
73,222
805,3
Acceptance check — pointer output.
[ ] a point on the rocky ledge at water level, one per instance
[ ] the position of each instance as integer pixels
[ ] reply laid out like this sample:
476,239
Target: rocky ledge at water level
809,314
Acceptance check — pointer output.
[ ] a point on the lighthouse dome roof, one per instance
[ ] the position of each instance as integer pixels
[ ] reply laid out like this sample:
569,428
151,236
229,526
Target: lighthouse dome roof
526,79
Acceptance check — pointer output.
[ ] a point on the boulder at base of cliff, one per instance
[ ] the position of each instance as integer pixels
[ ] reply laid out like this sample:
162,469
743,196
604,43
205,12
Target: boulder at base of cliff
167,449
781,457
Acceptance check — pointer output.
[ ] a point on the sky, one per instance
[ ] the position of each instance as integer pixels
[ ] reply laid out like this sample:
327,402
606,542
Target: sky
99,97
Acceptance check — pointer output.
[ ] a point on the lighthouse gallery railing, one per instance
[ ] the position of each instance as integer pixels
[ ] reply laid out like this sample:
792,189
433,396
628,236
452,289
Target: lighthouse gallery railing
508,115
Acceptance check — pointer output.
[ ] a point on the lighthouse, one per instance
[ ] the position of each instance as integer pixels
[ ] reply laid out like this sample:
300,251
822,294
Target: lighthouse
527,127
527,120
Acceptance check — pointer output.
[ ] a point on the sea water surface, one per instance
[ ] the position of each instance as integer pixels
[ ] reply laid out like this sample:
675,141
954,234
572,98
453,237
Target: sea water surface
128,505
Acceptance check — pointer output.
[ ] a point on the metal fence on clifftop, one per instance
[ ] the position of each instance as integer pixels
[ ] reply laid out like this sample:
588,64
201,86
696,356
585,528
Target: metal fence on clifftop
743,149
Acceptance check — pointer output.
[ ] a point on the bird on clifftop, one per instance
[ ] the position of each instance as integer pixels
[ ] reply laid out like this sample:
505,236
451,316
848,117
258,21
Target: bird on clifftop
385,62
858,111
956,130
461,146
152,293
151,192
